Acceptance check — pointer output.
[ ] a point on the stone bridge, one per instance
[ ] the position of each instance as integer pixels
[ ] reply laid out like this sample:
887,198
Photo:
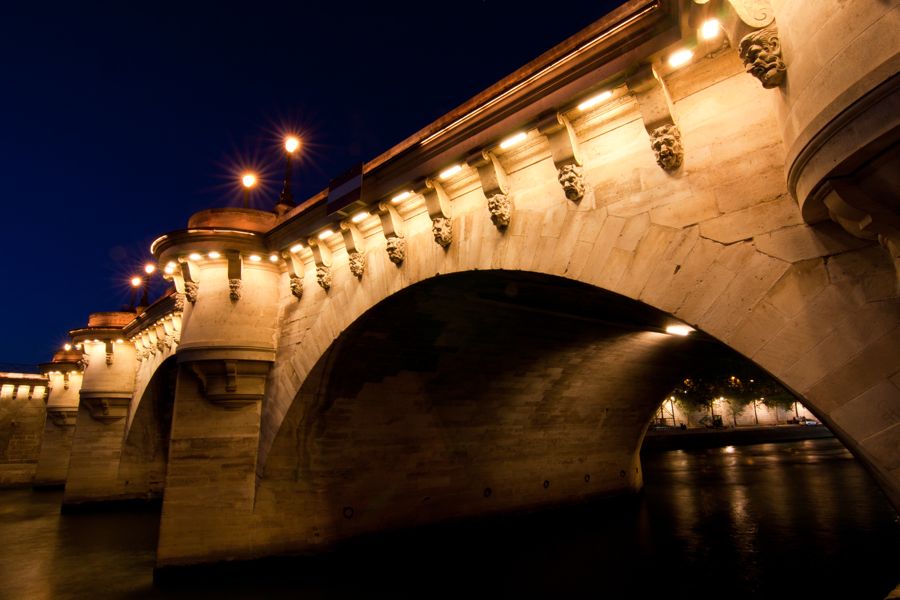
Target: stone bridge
479,320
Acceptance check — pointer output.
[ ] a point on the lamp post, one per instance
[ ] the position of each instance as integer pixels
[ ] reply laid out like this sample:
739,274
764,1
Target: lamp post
149,269
286,199
248,180
135,284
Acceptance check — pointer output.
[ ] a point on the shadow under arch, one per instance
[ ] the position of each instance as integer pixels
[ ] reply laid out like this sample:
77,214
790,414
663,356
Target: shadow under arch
468,394
145,451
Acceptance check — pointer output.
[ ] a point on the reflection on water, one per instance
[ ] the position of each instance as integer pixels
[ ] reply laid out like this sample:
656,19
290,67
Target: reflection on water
798,520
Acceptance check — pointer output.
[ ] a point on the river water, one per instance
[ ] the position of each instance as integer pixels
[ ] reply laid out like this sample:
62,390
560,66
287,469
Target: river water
790,520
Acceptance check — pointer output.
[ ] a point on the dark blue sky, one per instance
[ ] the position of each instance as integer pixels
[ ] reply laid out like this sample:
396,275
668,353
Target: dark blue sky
115,127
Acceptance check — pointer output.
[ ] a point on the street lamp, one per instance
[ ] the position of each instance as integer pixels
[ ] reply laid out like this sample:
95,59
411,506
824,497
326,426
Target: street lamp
248,180
286,199
135,284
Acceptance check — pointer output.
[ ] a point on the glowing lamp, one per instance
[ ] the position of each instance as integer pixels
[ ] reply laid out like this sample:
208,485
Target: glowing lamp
595,100
360,217
681,330
149,268
135,281
255,257
214,255
710,29
448,173
170,268
67,347
400,197
296,248
513,140
119,341
680,58
248,180
291,143
195,256
273,257
326,234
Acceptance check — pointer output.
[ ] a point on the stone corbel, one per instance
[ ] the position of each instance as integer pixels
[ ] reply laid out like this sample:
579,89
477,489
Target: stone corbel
65,380
658,115
296,270
151,342
168,327
566,154
108,346
751,29
107,409
356,247
322,257
392,227
437,202
864,218
185,281
163,341
235,274
232,384
494,186
63,417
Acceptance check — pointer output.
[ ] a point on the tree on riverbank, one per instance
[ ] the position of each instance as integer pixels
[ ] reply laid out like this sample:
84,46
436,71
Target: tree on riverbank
733,379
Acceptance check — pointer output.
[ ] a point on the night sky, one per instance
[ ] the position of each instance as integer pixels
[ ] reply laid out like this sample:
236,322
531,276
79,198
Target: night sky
115,127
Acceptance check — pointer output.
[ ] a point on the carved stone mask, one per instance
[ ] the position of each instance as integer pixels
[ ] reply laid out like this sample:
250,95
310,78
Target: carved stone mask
761,53
396,249
572,182
297,287
500,208
323,277
442,230
666,144
357,264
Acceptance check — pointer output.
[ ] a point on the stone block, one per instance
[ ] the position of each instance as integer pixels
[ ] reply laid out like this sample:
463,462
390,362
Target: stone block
800,284
873,411
699,205
877,361
762,185
750,222
761,325
803,242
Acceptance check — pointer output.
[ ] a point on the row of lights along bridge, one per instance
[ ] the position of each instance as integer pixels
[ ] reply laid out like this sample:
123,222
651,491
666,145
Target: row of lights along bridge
710,29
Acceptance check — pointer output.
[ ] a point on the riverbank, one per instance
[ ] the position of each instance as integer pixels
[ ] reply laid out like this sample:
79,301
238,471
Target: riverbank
673,439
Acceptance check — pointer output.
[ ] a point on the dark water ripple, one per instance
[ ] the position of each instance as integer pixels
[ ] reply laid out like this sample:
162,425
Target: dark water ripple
790,520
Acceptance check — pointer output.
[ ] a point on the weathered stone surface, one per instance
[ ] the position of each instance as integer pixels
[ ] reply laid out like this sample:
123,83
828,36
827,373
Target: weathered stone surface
802,242
747,223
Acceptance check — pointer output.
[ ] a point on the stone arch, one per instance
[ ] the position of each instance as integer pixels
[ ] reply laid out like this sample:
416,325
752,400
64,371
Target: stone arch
719,244
825,326
142,468
470,393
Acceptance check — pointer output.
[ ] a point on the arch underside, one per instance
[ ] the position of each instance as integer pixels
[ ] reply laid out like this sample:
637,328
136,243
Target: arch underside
469,394
142,468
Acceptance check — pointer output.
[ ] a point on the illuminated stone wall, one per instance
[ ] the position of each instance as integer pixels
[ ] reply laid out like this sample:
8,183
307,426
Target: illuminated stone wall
717,241
21,429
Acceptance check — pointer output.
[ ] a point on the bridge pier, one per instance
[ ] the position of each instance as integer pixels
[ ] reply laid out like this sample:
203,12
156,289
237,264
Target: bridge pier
223,367
64,374
211,478
105,397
